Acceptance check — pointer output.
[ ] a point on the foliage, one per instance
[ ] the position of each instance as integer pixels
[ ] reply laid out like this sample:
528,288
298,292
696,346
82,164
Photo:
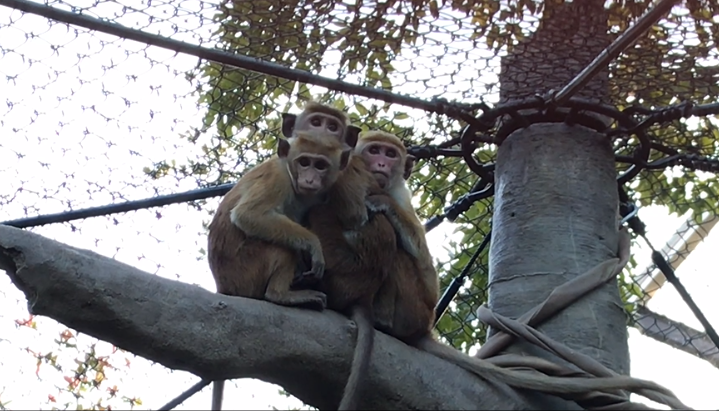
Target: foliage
374,44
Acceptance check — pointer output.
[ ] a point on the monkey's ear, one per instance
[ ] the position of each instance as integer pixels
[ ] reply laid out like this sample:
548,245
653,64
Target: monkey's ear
408,166
352,135
345,158
288,124
283,148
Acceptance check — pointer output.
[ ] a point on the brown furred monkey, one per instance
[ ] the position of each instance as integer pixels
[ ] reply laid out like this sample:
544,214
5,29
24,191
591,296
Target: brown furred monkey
350,283
255,241
317,117
358,259
404,305
386,157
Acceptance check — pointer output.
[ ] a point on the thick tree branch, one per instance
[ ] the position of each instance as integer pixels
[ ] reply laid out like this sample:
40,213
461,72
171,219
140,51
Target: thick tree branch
185,327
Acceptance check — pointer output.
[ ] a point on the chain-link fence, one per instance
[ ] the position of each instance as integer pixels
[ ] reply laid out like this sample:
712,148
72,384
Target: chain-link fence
125,121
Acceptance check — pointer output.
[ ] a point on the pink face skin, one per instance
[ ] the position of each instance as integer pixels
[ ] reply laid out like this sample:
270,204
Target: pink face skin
382,161
311,173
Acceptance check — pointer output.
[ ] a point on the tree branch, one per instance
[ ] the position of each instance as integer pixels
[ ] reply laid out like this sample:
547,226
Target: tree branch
185,327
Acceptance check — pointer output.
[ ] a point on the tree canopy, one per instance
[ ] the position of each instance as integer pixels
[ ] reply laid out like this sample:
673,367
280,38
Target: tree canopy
85,110
452,50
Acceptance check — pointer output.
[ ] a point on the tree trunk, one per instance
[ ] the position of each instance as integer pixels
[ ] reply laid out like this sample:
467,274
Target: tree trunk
556,197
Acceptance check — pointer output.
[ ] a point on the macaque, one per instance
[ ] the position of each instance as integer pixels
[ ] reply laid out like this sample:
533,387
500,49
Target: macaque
350,283
255,240
404,304
319,118
358,259
387,159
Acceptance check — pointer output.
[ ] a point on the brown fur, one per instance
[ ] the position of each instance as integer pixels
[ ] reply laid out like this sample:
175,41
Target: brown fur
352,278
404,304
255,241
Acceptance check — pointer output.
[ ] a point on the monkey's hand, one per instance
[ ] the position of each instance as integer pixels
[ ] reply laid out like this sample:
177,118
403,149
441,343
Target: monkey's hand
315,273
378,203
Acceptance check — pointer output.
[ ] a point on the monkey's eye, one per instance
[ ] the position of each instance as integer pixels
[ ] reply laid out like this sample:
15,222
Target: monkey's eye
321,165
316,121
374,150
332,126
391,153
304,161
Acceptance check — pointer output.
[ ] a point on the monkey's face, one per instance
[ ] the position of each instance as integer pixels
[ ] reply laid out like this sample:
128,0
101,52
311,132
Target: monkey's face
312,172
383,161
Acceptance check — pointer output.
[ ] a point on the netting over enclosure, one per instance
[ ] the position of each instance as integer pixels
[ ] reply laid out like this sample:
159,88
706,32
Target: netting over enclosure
125,121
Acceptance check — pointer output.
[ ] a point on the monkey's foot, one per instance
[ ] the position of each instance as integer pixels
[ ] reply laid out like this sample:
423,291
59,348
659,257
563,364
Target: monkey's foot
312,299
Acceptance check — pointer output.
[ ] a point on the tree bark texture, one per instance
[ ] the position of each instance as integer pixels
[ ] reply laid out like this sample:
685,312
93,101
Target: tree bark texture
185,327
568,38
556,195
555,218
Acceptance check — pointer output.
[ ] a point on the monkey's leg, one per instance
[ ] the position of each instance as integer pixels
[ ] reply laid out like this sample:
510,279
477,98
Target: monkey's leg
278,288
414,306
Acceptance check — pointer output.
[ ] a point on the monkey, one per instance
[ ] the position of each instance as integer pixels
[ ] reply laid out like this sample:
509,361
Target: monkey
404,304
319,117
353,278
351,284
255,239
386,157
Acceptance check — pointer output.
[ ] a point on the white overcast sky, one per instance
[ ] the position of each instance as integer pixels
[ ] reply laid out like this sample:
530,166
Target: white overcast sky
77,131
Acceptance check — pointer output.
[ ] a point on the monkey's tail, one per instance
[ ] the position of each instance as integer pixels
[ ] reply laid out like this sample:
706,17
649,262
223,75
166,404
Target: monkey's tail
566,388
218,387
362,316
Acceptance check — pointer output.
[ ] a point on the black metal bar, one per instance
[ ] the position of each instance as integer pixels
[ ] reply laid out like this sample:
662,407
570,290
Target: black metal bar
668,272
625,40
456,283
158,201
224,57
433,222
185,395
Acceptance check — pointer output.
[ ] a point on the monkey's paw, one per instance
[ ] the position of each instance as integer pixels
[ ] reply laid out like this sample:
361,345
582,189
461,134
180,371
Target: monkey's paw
302,280
318,301
314,274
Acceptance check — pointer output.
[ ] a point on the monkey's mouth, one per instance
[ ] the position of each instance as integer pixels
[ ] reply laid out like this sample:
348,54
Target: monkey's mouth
381,177
307,191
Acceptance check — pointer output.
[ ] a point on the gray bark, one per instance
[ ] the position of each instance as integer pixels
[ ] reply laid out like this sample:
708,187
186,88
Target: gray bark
555,217
185,327
556,195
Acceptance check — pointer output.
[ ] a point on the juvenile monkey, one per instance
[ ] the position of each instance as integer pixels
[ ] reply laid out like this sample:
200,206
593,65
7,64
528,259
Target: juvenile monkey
319,118
358,259
350,283
255,240
404,304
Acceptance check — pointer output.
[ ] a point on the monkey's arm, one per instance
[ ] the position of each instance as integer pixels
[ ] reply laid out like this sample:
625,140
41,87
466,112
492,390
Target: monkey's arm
276,228
409,230
258,214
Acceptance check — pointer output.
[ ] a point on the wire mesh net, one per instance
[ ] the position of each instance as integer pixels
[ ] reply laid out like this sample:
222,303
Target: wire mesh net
96,115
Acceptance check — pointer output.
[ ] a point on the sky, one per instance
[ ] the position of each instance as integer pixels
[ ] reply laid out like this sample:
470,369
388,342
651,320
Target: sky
85,113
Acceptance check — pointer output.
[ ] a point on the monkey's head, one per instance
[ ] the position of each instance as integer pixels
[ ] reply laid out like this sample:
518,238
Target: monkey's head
386,158
319,118
313,161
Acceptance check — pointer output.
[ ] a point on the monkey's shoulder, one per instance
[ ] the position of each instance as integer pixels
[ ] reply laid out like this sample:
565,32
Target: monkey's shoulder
266,177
